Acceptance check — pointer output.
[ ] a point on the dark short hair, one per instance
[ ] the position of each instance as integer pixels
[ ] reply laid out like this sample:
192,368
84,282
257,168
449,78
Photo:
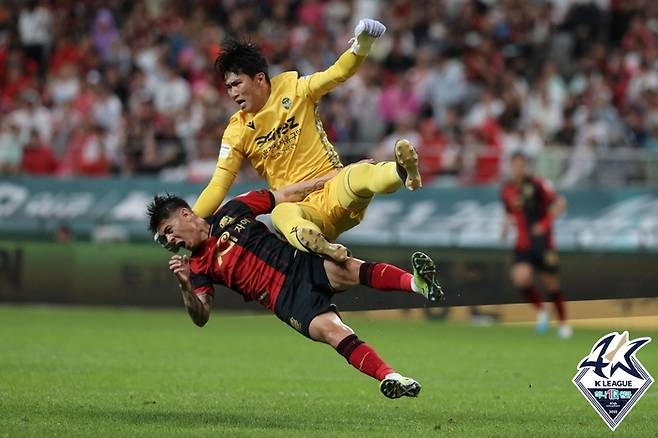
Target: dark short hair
241,57
162,207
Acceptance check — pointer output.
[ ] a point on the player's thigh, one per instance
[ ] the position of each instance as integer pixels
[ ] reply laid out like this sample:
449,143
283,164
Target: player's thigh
287,214
329,328
550,280
521,274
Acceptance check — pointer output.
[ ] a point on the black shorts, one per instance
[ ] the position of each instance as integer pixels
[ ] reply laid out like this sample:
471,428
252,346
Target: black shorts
545,260
306,293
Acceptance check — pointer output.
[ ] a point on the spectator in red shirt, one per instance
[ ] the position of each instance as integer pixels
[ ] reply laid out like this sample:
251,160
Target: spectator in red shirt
38,157
86,154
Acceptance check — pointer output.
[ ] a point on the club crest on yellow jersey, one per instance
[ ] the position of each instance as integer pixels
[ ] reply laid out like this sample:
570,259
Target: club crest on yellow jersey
286,102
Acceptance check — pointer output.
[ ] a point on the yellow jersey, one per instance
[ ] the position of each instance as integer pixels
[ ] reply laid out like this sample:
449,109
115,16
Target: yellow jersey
285,140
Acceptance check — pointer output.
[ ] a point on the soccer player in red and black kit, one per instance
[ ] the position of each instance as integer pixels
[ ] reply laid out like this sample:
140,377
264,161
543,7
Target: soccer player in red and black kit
532,205
232,248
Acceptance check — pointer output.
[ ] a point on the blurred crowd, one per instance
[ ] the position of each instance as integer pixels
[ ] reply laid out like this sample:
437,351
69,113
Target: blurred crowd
117,87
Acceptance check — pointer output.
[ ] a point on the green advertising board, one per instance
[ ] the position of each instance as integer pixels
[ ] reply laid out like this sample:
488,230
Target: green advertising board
624,220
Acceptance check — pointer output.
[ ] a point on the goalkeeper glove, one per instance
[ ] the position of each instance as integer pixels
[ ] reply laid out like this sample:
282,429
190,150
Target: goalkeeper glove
365,34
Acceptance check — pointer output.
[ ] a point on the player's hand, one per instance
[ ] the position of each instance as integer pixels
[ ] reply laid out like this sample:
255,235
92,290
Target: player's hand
372,28
365,34
180,266
538,229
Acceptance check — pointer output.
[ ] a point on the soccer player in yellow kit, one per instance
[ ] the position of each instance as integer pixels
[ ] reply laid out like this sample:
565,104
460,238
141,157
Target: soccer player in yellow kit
279,130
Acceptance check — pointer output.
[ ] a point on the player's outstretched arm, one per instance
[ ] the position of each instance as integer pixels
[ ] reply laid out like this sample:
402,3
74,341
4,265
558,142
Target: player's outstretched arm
229,161
320,83
198,306
212,196
298,191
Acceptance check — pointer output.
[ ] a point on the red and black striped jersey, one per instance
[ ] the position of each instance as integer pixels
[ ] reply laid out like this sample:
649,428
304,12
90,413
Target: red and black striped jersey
241,252
529,203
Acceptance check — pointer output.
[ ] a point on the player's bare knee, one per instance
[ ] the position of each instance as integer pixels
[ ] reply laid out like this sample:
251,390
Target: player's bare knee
329,328
521,275
337,332
521,282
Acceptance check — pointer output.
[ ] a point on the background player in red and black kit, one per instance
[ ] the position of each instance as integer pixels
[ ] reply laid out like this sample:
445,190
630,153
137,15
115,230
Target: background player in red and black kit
532,205
232,248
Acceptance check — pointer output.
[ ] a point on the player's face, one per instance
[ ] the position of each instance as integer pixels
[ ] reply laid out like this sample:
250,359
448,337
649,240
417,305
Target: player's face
180,230
519,168
249,93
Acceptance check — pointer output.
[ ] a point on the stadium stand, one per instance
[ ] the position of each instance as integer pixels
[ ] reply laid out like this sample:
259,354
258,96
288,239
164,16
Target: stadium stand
127,87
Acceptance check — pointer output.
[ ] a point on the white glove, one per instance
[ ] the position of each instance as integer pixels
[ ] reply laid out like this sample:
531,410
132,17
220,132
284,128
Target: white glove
365,34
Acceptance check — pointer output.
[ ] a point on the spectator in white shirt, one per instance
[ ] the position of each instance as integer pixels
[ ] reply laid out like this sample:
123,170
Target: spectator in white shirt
35,31
172,93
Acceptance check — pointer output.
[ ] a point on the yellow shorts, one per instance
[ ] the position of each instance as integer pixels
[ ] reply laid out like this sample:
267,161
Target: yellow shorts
335,208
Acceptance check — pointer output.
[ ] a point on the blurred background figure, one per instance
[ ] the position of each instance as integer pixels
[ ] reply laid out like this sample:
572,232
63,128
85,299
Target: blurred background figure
38,157
63,234
35,30
532,206
11,148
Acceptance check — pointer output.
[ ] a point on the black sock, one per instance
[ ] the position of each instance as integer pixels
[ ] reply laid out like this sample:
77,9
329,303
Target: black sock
348,345
365,273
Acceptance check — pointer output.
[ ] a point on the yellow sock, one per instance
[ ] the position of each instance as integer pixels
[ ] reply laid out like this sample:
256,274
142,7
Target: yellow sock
362,181
287,217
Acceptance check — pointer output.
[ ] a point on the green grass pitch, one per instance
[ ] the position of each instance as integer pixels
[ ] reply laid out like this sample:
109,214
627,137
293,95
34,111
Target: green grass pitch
131,372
